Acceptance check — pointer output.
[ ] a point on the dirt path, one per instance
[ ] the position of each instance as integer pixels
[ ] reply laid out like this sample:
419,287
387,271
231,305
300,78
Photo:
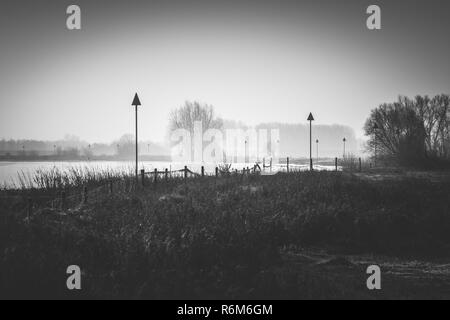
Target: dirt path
430,176
346,275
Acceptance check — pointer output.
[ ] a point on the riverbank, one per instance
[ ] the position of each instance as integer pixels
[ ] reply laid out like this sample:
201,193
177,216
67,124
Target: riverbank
296,235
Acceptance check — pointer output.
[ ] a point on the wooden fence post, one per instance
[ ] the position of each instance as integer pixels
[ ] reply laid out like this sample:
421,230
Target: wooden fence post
143,177
166,175
217,172
155,178
185,172
287,164
336,163
203,171
264,164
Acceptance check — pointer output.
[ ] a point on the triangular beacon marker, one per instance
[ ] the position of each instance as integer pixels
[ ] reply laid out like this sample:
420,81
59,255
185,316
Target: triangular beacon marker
136,101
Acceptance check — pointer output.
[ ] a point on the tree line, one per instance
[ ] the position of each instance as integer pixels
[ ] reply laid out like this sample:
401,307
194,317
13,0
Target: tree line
411,131
72,148
293,137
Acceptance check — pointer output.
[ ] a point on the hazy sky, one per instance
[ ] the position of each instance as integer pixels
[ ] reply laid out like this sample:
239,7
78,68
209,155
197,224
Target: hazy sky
255,61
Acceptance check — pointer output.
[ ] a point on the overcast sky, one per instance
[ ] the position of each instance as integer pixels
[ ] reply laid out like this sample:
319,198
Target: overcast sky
255,61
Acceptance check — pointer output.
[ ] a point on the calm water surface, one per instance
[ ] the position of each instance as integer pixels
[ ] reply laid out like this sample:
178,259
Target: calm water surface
10,171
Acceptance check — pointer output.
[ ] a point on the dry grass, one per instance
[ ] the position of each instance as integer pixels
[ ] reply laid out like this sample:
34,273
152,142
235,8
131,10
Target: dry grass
213,238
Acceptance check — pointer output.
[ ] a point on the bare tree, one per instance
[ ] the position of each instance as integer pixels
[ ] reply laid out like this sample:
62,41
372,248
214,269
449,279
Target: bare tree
411,129
185,116
126,146
395,132
434,113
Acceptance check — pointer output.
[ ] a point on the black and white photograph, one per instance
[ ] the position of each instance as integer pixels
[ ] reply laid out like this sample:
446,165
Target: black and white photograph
224,156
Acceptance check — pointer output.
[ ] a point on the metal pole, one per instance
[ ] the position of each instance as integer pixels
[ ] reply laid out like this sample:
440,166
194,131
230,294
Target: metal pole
245,152
137,177
317,150
344,140
344,148
310,145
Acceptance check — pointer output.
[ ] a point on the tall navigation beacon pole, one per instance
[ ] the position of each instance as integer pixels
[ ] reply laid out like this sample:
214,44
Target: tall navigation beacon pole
344,140
310,119
136,102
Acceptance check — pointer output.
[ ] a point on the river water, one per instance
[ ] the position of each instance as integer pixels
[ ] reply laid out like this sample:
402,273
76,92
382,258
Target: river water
10,171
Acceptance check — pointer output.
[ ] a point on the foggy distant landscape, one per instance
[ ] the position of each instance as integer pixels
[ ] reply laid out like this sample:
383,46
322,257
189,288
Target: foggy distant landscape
294,141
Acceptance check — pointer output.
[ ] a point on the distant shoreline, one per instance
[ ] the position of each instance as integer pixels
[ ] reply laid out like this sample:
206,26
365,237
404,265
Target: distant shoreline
83,159
293,160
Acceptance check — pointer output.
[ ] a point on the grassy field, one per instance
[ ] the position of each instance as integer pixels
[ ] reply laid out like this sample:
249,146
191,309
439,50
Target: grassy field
295,236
